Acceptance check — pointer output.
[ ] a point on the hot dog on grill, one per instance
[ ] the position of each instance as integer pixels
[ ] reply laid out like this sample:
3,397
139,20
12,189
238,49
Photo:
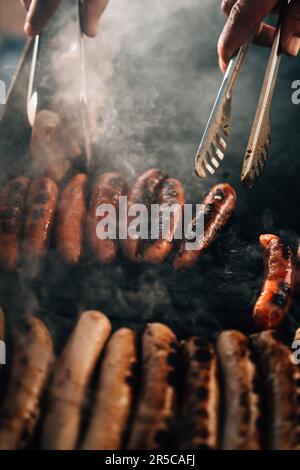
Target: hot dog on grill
275,298
200,396
219,205
41,206
170,194
114,396
154,418
281,378
31,365
71,215
241,427
143,191
72,374
107,190
12,208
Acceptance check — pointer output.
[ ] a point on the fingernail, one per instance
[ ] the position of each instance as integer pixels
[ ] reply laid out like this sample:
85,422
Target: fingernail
29,30
293,46
91,30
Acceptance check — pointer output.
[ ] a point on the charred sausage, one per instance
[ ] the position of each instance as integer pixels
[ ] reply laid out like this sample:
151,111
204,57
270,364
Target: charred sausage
241,427
114,395
200,397
41,206
107,190
280,379
143,191
31,365
218,207
154,418
71,215
70,380
275,298
171,196
12,215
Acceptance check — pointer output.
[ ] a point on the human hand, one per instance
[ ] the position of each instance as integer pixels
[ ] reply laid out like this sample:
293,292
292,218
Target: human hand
246,16
39,13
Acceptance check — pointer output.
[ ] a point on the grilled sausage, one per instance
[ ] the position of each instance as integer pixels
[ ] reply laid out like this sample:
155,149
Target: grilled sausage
171,194
241,427
107,190
31,365
276,296
280,377
219,205
12,208
200,404
144,191
153,422
114,396
70,380
42,199
71,215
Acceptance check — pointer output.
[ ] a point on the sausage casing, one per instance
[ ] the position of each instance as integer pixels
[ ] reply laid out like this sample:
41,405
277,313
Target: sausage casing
154,418
114,395
200,397
71,216
241,427
219,205
12,215
107,190
171,194
143,191
275,298
41,206
70,380
31,365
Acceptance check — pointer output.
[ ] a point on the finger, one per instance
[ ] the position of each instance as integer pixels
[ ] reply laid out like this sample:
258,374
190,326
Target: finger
290,39
244,19
40,12
92,11
265,35
26,4
228,4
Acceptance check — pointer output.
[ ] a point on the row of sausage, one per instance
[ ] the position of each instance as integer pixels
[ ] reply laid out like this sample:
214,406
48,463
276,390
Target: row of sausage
28,210
240,393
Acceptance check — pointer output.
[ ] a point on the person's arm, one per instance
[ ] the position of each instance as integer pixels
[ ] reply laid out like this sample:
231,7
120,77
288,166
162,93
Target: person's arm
246,16
39,13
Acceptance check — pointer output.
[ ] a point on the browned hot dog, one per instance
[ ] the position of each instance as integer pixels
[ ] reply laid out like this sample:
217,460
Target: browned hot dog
107,190
219,205
171,194
276,296
241,427
114,396
41,206
72,374
31,365
281,380
201,397
154,419
71,216
12,208
143,191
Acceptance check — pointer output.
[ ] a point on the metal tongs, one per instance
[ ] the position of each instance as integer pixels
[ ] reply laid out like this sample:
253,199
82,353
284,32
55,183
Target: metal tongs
34,80
213,144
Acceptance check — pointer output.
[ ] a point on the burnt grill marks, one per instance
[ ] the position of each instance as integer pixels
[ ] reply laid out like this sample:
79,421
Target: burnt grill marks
200,396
